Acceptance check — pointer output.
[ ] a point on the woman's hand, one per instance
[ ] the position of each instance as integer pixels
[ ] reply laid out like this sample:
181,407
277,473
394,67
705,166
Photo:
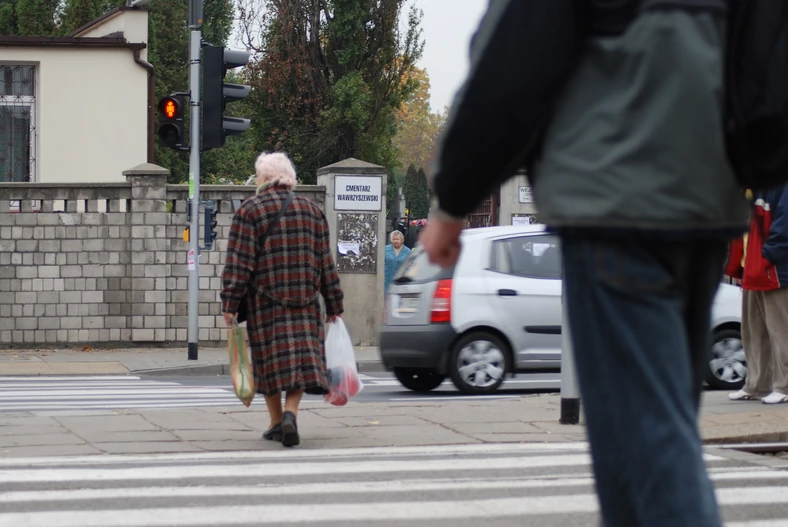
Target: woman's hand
332,318
229,319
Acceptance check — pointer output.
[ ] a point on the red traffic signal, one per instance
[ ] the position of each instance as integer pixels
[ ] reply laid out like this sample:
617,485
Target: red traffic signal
171,125
170,108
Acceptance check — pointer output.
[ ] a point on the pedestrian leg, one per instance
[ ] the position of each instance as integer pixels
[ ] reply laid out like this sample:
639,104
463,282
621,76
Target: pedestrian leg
274,403
775,305
627,316
757,344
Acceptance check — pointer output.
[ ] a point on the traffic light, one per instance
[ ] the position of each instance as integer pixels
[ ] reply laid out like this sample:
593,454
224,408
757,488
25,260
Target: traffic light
210,225
216,62
171,126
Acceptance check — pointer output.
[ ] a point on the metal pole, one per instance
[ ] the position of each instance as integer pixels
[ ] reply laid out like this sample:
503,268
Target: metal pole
570,391
195,41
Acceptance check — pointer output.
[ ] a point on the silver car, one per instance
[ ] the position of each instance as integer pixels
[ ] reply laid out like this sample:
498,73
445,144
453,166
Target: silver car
498,312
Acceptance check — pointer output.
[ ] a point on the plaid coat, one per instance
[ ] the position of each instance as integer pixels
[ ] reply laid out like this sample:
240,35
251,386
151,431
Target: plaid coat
287,277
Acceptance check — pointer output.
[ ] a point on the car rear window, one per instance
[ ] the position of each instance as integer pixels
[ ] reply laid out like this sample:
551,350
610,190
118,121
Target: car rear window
418,269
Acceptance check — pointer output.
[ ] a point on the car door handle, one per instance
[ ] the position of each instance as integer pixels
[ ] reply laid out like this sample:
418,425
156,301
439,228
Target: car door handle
507,292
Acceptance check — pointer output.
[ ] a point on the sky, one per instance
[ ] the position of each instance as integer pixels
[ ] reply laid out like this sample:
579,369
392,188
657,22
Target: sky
447,28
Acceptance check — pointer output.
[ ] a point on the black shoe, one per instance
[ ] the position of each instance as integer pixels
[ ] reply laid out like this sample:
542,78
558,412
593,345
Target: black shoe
274,433
289,430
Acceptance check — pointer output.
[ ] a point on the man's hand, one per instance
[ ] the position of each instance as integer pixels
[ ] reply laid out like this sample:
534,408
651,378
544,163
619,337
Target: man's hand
332,318
441,241
228,319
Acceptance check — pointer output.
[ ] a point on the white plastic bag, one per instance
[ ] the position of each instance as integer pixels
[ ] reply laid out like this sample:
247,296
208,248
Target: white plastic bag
341,366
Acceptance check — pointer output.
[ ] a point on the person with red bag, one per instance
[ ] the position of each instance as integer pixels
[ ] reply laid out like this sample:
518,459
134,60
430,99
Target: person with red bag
764,281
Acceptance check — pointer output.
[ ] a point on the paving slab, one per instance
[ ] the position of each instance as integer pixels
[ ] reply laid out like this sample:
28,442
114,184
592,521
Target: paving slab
46,439
107,423
148,436
49,450
156,447
63,368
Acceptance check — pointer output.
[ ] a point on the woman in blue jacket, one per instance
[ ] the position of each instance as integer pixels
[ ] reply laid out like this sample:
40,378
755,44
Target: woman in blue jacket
396,253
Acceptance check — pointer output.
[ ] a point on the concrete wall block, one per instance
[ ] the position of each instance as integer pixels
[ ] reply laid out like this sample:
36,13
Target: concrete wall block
70,246
156,218
48,246
26,272
24,323
26,298
74,322
116,245
155,322
92,245
93,296
7,245
92,271
143,231
71,271
23,218
49,271
7,324
143,309
155,296
142,335
27,246
157,270
93,323
157,244
115,322
49,323
143,258
48,297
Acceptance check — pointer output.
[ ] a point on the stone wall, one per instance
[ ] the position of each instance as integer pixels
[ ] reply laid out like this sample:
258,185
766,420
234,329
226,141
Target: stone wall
106,264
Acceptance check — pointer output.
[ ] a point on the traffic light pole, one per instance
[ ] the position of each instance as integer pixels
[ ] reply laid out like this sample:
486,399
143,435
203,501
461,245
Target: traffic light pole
195,42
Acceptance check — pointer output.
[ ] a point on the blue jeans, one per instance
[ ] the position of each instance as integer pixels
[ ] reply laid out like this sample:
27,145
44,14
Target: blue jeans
640,315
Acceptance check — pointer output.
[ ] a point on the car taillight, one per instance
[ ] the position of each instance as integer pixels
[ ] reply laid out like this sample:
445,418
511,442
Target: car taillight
441,302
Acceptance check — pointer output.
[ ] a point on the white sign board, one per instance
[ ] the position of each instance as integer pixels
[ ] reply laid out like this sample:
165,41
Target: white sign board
525,195
357,193
521,220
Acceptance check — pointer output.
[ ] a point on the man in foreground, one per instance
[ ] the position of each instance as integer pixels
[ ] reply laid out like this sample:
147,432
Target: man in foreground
618,115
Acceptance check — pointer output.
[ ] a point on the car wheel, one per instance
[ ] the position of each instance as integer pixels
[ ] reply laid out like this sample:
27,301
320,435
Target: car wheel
419,380
479,362
728,364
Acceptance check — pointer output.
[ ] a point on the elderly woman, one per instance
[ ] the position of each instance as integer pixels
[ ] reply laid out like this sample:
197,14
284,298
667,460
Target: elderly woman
285,277
396,253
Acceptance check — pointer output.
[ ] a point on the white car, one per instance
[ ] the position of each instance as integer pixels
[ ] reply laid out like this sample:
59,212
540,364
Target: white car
498,311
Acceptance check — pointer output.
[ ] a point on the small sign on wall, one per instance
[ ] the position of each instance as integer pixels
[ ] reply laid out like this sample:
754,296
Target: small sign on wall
358,193
524,219
526,196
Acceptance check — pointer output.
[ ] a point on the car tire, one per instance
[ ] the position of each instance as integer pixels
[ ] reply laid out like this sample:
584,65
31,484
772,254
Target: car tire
478,363
728,364
419,380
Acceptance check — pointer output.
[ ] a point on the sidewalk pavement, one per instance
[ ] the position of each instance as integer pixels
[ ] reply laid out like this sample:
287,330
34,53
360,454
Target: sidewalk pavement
148,361
526,419
530,418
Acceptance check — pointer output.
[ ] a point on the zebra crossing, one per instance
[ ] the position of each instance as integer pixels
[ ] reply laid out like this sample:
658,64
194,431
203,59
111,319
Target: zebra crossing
54,393
501,485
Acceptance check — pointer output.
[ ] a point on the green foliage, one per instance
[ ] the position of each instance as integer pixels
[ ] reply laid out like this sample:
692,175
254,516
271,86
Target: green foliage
329,77
77,13
37,17
8,22
417,194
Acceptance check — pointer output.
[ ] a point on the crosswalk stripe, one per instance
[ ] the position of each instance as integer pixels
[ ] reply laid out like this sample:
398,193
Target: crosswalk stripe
369,487
417,485
106,392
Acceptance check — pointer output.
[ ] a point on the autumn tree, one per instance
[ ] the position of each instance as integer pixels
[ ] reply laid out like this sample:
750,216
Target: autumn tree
329,76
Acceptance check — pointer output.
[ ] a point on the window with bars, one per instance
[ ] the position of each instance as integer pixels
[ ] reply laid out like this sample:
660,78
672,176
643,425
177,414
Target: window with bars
17,123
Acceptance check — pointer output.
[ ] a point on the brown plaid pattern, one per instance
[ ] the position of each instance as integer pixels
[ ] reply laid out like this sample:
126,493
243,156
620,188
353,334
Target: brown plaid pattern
291,271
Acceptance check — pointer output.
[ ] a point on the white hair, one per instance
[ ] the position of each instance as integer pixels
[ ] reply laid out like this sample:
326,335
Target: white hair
395,233
275,167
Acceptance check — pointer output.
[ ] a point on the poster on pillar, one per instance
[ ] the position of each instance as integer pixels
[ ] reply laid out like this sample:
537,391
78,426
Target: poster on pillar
357,243
358,193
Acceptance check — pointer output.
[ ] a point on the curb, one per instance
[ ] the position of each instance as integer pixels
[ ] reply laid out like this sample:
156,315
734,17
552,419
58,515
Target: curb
224,369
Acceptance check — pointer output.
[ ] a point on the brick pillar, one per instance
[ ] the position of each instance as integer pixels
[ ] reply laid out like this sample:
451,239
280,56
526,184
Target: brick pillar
149,247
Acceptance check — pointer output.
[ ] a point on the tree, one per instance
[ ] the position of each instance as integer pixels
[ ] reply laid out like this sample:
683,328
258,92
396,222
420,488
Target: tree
417,126
416,193
329,76
36,17
77,13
